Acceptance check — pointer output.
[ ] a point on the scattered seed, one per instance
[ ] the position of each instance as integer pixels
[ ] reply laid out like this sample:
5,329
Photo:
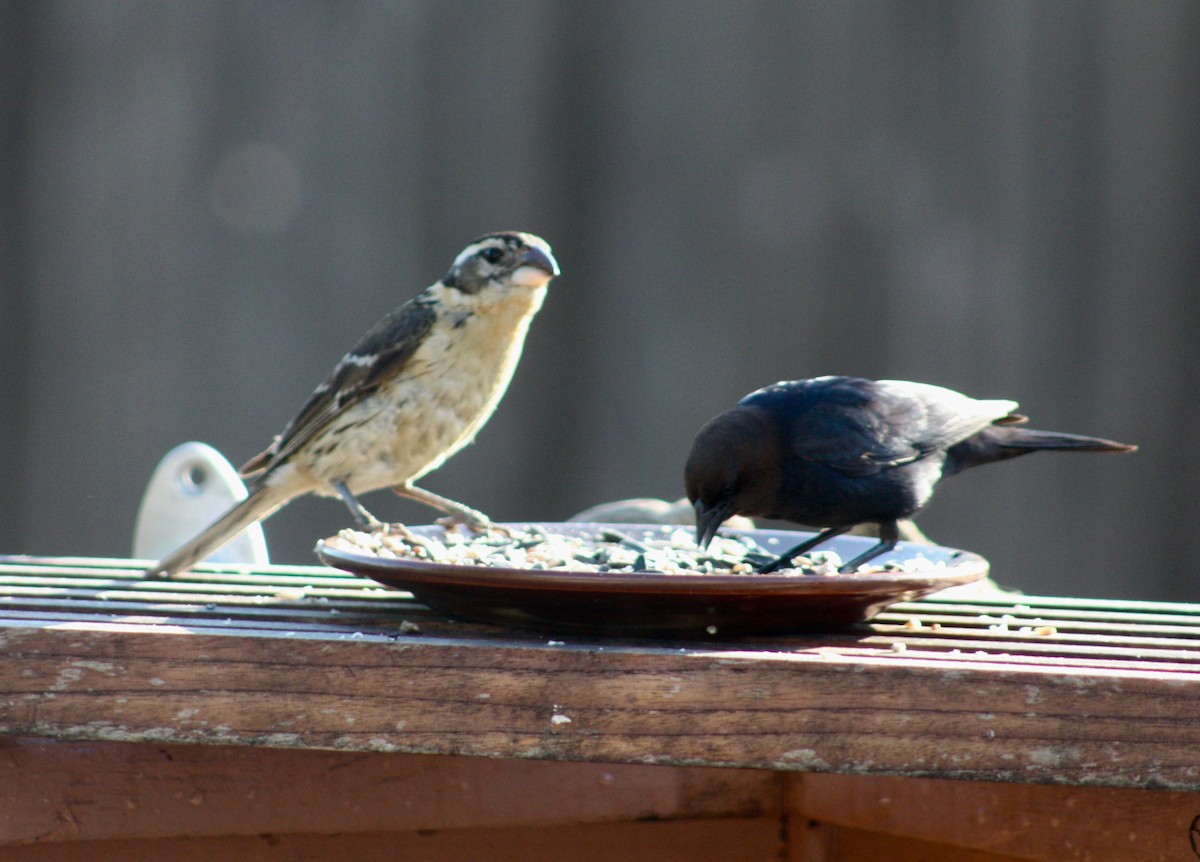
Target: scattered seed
606,550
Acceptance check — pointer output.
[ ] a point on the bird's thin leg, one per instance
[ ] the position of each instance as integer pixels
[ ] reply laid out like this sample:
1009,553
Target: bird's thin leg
361,516
459,514
804,547
889,534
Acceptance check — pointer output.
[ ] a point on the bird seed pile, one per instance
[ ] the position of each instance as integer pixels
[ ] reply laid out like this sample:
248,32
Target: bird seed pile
605,550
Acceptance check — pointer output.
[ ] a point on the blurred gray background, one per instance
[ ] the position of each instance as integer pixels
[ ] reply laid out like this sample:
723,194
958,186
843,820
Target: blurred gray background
204,204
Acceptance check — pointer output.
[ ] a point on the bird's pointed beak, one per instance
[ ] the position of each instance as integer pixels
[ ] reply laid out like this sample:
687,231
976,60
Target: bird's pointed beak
709,520
539,258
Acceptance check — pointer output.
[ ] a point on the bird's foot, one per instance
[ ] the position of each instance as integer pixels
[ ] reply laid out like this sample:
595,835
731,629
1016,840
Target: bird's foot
772,565
398,529
457,515
371,524
473,520
366,522
867,556
376,527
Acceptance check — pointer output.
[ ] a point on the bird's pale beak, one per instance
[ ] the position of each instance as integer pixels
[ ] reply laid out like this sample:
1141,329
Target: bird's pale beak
709,520
540,259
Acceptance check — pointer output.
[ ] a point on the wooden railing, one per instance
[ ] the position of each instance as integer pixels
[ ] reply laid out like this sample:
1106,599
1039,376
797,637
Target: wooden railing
844,730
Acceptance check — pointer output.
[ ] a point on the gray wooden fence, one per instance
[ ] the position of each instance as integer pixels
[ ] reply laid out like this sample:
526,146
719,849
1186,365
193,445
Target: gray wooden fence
202,205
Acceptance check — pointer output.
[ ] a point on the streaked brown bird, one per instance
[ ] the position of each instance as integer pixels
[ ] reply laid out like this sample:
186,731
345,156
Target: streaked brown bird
833,452
415,390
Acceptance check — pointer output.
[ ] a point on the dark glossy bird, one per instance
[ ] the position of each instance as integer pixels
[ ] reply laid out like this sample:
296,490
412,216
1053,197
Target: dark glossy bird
414,390
833,452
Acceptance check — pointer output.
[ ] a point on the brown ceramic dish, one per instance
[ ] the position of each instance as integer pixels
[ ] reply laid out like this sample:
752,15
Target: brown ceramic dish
649,604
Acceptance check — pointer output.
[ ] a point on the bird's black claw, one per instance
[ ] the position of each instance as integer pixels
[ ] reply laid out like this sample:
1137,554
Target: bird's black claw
771,565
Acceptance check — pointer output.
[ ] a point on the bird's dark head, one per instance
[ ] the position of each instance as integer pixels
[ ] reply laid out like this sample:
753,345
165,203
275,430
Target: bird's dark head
731,467
501,260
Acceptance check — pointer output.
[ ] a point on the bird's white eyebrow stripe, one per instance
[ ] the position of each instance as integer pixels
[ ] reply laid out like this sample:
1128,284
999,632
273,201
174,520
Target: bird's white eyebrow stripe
473,248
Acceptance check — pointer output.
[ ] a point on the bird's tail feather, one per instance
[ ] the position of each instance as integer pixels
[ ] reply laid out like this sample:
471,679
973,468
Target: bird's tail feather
262,501
1001,442
1028,438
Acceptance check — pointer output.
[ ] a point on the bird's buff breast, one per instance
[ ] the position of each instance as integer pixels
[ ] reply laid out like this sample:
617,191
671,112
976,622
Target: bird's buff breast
437,404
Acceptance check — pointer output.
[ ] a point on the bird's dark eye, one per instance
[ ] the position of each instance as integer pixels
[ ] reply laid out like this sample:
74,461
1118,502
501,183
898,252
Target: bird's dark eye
492,255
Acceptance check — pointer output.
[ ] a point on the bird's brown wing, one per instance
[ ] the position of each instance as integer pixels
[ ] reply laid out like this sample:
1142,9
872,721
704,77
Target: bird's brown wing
379,356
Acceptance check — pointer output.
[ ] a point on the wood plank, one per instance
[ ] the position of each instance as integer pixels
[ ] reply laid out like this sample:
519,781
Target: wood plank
949,643
717,705
231,595
56,791
710,840
248,663
1061,602
1030,822
824,842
